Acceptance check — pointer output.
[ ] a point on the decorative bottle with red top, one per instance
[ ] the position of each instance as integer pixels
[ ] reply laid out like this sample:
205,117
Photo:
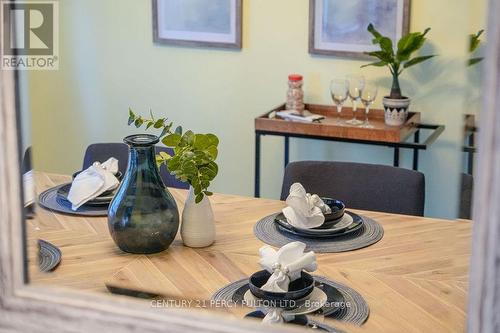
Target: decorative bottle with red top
295,94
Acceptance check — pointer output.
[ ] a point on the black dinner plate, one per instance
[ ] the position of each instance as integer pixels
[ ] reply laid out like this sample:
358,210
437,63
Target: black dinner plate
102,200
319,233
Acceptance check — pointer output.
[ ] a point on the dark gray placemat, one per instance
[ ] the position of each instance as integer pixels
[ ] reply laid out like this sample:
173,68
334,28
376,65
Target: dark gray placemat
268,231
355,311
49,200
49,256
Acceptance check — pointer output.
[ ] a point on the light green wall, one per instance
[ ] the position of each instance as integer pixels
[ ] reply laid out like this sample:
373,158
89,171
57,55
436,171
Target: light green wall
108,63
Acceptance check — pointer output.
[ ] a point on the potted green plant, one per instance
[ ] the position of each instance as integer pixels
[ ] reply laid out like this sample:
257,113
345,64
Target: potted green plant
396,104
193,162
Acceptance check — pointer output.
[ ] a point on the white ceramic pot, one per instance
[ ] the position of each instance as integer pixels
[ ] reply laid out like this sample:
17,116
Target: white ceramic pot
198,225
396,110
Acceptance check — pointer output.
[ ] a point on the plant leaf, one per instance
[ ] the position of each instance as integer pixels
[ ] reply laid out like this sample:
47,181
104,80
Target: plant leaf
138,122
164,155
214,140
417,60
159,123
474,41
212,150
474,61
410,43
199,197
376,64
201,141
187,139
386,45
171,140
373,31
382,55
131,120
178,130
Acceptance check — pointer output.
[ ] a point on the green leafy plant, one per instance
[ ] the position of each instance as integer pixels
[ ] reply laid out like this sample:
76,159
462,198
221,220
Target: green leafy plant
474,43
194,154
399,60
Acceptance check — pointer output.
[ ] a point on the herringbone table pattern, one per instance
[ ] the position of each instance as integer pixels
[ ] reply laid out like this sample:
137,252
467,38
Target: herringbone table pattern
414,279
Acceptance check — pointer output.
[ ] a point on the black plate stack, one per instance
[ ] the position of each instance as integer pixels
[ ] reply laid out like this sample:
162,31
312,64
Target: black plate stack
331,232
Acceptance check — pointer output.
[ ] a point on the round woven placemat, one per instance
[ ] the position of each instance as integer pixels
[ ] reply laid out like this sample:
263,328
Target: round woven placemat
268,231
49,256
49,200
355,309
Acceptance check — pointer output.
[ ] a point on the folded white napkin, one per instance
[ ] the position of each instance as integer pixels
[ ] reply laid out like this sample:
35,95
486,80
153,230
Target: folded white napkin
92,182
286,265
293,115
304,210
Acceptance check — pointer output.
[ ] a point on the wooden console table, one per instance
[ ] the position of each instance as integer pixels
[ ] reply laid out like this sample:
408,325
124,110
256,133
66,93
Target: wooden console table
329,130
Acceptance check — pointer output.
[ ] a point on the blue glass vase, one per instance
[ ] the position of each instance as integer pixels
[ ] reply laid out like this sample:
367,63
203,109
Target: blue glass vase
143,216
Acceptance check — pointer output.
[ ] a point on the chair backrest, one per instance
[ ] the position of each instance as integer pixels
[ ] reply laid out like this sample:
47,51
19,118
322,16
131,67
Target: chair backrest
26,163
467,184
361,186
102,151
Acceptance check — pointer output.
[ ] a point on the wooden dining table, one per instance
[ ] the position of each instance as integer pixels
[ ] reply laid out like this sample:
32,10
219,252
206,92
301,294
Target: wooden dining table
414,280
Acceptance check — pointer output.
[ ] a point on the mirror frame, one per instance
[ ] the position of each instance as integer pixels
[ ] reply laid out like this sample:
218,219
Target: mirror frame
484,277
30,308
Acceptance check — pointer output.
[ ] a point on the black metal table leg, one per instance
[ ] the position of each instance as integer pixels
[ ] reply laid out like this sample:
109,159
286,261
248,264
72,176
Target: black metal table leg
415,151
396,157
287,150
470,159
257,166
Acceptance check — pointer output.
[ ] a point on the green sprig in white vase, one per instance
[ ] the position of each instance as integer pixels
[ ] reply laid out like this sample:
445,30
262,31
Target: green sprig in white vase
193,162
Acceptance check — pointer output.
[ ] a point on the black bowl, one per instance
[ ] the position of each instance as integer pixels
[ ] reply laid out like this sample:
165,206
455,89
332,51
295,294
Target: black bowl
337,207
297,289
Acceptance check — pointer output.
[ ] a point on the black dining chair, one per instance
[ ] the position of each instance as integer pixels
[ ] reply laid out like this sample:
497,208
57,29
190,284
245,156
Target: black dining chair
26,164
360,186
100,152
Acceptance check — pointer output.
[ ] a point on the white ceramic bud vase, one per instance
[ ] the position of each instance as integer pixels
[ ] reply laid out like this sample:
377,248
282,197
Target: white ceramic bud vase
198,225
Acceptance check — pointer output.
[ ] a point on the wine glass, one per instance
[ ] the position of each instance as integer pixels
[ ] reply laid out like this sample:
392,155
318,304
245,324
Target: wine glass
339,90
368,96
356,85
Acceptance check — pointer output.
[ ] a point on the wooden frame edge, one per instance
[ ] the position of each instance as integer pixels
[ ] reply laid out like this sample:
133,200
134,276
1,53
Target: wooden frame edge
348,54
237,45
484,281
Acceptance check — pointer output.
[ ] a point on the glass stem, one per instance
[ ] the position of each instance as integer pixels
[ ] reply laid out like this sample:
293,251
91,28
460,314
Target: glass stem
367,111
339,111
355,108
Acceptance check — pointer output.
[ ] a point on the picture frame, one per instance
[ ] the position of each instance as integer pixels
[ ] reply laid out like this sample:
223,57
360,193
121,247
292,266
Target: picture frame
195,25
350,38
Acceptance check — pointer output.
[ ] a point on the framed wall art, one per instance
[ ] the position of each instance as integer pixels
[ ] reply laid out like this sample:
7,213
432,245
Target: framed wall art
338,27
203,23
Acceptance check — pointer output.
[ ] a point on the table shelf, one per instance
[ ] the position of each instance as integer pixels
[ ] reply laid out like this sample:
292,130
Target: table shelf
329,130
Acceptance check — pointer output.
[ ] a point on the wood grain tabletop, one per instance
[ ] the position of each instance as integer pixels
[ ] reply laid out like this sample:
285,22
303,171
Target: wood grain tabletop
414,279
